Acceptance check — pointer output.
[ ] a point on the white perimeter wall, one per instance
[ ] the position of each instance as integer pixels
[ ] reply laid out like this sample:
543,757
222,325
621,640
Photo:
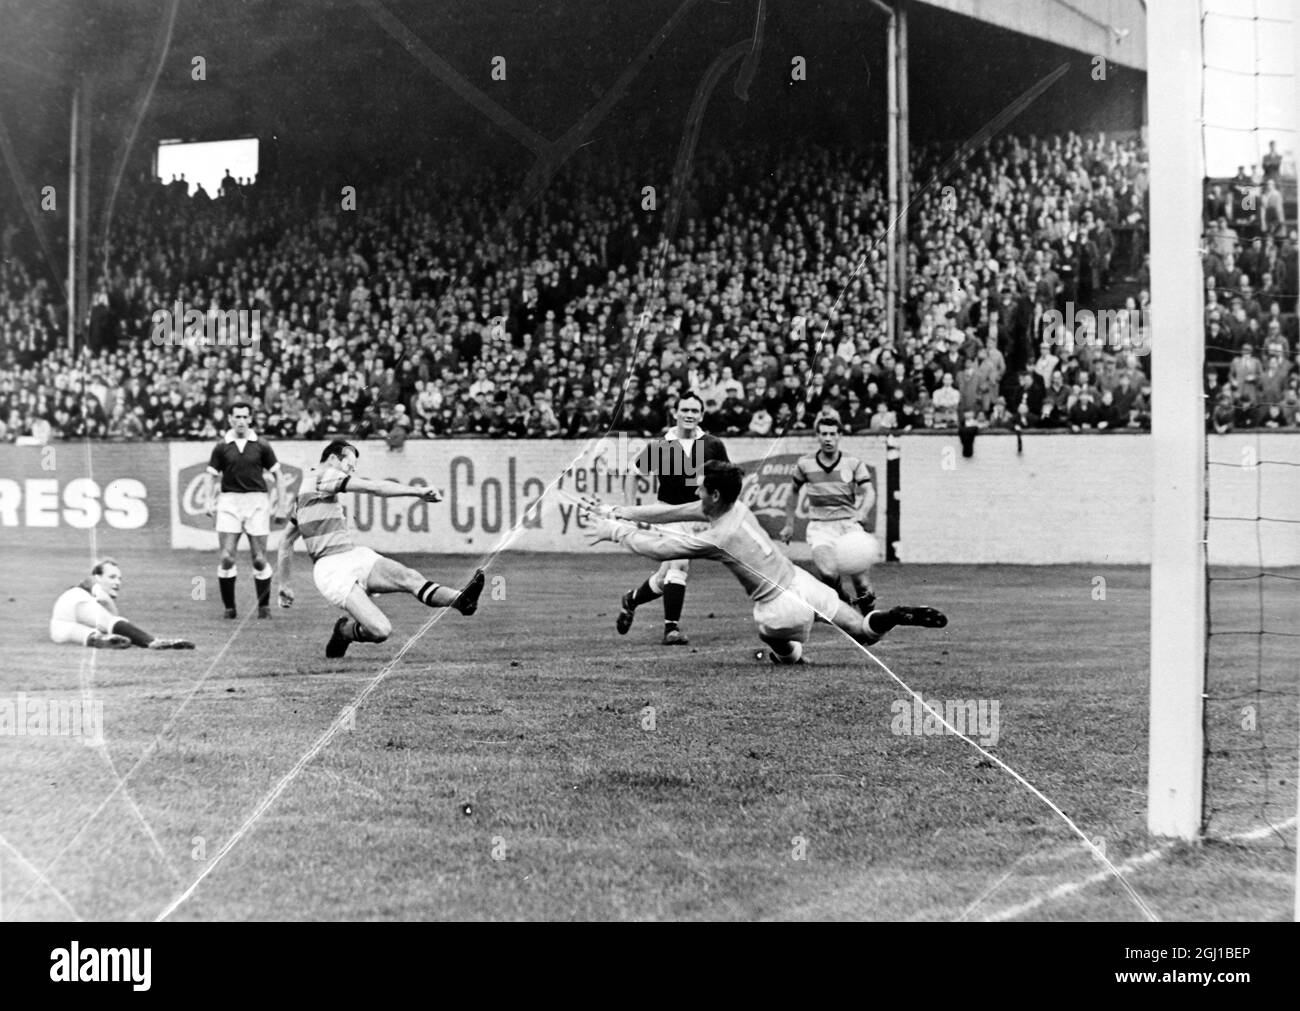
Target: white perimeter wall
1064,499
1086,498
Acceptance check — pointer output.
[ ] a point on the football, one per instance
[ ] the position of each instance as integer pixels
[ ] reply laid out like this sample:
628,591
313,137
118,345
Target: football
856,552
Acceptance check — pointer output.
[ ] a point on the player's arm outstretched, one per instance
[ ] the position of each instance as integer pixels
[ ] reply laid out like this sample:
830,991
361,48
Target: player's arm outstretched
392,489
284,564
655,512
662,547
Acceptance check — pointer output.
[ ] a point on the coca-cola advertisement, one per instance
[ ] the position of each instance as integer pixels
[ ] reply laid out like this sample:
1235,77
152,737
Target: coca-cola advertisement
769,485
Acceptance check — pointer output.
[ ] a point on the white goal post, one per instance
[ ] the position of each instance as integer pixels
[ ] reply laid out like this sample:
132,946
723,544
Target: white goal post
1175,775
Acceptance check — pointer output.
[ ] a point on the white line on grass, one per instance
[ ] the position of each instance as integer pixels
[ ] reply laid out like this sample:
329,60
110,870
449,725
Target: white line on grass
86,676
121,785
345,718
1128,866
40,878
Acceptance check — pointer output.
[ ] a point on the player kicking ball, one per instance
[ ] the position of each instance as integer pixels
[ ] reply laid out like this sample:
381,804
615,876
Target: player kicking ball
787,599
86,615
346,574
839,495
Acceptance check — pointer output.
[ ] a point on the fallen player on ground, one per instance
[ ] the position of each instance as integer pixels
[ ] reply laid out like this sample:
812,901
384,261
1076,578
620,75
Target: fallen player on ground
86,615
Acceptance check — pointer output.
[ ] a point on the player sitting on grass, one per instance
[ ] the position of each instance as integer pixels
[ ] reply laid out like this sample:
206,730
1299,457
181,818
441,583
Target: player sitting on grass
86,615
787,600
345,573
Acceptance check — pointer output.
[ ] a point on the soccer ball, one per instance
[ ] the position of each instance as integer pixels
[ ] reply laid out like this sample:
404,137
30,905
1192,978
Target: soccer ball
856,552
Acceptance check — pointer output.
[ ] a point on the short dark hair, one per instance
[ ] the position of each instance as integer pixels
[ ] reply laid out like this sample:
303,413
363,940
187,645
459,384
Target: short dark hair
337,448
723,479
690,395
827,420
104,563
244,404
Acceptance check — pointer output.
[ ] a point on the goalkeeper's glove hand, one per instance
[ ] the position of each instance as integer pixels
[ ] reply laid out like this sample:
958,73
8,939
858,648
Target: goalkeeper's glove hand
594,507
608,530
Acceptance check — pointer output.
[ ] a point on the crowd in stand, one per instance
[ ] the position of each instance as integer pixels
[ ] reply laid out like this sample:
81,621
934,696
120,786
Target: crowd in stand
439,307
1250,266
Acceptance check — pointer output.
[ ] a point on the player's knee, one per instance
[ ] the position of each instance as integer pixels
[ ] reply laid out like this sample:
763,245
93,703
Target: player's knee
381,628
675,576
227,559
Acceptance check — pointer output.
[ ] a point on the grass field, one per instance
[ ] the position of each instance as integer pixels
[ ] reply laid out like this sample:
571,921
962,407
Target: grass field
502,767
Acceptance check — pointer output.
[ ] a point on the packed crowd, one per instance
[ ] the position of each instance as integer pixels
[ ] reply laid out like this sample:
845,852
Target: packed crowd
1251,272
429,310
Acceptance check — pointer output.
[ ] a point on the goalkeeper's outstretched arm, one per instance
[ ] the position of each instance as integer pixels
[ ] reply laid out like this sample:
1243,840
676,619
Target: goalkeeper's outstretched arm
662,547
661,512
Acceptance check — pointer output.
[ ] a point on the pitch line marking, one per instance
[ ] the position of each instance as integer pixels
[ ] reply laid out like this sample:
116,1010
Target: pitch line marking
1128,866
40,879
144,756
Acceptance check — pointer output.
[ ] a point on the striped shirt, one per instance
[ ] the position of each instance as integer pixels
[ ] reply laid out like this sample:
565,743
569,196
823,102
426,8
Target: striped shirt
320,517
833,488
736,540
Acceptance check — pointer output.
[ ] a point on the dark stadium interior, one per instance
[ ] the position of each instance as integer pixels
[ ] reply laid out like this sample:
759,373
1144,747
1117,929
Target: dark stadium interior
370,95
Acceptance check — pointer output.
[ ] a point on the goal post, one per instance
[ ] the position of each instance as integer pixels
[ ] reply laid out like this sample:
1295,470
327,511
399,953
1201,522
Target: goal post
1175,775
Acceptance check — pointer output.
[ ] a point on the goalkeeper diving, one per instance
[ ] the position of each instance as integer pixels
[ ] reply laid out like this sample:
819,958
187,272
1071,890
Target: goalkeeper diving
787,599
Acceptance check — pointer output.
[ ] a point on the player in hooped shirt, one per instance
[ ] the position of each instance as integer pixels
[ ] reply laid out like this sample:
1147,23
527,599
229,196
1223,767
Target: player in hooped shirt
677,460
346,574
839,495
787,600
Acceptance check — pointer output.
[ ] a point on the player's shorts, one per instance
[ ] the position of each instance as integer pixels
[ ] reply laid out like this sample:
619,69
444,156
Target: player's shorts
71,612
335,575
247,512
791,614
683,527
824,533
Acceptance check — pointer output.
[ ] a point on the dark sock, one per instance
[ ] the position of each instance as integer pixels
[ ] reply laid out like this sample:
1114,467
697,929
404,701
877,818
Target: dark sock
643,594
880,622
227,584
138,636
358,632
674,601
425,596
263,587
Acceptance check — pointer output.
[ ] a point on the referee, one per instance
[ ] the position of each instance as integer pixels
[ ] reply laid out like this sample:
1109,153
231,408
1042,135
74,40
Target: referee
677,460
239,460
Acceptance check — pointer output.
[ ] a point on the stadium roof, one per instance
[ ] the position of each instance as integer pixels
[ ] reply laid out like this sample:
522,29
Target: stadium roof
352,82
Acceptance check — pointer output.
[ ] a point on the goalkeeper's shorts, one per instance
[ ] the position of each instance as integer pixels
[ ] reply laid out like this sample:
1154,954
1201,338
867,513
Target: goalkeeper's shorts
790,614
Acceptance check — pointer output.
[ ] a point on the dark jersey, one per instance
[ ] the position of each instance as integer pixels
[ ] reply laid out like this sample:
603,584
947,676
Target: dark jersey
680,474
241,470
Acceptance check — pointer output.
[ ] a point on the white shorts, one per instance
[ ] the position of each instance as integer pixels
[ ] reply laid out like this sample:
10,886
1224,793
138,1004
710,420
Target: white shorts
824,533
246,512
72,612
335,575
791,615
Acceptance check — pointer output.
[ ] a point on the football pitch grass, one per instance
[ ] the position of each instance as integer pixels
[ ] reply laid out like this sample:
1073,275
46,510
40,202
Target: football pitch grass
529,763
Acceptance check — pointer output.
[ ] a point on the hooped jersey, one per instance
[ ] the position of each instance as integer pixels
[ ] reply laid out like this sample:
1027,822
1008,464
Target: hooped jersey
321,518
832,490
